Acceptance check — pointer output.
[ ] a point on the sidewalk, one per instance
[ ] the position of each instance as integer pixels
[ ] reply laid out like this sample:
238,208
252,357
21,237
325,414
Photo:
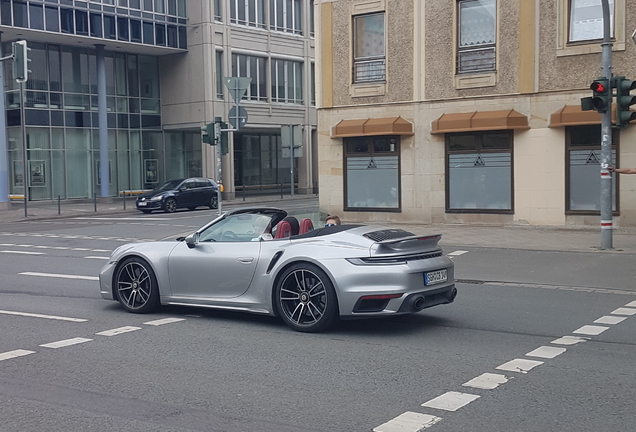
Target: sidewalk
571,239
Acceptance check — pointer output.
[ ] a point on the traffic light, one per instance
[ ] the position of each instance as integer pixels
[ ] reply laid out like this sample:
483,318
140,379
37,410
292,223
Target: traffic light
602,95
21,61
207,134
624,100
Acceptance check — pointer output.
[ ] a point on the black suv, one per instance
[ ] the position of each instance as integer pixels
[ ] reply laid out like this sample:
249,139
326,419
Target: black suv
179,193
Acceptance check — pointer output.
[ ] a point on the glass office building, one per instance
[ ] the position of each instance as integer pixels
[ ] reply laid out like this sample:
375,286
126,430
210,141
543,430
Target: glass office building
61,113
160,88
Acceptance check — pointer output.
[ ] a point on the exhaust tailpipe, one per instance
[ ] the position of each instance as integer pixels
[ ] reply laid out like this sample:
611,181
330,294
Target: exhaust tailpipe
418,303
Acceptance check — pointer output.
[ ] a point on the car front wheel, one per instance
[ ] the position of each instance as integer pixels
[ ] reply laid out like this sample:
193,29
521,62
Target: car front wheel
170,206
136,286
306,299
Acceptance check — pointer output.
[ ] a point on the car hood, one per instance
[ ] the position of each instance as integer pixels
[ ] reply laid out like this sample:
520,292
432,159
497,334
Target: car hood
150,194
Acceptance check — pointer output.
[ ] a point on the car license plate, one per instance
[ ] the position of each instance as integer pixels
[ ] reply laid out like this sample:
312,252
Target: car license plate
438,276
142,203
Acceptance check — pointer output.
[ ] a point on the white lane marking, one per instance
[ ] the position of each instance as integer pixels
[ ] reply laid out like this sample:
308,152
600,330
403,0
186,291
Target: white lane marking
100,250
519,365
34,315
631,304
457,253
164,321
610,320
63,276
96,257
80,249
22,252
624,311
121,218
546,352
451,401
193,316
569,340
66,342
408,422
118,331
590,330
13,354
487,381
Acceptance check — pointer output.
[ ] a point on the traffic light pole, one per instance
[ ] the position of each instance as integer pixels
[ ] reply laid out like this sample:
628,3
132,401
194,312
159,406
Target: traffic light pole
606,135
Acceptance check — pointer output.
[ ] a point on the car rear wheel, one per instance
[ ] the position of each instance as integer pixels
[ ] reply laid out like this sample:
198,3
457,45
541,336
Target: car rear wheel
214,202
170,206
306,299
136,286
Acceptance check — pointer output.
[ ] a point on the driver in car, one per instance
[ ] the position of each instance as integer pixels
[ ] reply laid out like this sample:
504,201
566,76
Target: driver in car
262,228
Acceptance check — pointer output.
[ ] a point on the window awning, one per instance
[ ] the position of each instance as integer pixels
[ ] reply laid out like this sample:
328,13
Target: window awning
372,126
572,115
480,121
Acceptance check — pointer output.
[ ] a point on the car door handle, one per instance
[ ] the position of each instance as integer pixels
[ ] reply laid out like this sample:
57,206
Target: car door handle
245,260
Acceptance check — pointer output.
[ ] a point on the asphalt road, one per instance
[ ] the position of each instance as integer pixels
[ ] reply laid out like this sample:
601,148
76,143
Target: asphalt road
70,361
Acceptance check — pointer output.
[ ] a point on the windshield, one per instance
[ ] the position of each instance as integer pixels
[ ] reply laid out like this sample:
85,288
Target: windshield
172,184
238,228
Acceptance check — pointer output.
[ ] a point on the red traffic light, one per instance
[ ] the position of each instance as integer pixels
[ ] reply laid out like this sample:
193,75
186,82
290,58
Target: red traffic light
598,87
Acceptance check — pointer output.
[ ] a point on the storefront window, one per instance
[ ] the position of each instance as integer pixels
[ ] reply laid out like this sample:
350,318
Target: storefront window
583,187
479,172
372,173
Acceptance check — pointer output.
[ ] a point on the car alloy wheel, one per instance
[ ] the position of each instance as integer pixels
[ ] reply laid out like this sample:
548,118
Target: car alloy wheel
306,299
214,202
170,206
136,286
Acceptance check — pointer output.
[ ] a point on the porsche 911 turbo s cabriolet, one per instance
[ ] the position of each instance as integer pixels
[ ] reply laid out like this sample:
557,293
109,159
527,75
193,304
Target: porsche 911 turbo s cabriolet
262,261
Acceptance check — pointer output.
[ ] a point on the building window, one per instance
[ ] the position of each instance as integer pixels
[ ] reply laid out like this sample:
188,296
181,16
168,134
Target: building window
583,188
219,75
285,15
372,173
586,20
287,81
477,36
369,59
313,84
248,12
253,67
217,11
479,172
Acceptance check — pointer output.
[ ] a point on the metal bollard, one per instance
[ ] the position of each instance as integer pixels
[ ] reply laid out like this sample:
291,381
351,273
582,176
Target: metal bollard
58,206
95,201
281,190
124,199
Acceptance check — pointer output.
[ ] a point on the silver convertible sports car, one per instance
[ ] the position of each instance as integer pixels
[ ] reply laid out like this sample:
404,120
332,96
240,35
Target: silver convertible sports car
260,260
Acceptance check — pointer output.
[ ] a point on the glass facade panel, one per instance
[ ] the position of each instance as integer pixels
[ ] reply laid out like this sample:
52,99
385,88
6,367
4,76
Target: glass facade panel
36,16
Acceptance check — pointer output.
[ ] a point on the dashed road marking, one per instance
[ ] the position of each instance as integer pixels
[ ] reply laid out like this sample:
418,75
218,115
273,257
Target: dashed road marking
610,320
451,401
590,330
457,253
13,354
487,381
97,257
631,304
62,276
34,315
569,340
519,365
624,311
164,321
118,331
66,342
546,352
22,252
408,422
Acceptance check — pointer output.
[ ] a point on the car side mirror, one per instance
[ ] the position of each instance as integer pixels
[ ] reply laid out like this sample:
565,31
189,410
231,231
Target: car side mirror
192,240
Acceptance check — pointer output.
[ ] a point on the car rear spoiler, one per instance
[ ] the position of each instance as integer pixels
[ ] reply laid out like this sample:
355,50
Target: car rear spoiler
407,245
